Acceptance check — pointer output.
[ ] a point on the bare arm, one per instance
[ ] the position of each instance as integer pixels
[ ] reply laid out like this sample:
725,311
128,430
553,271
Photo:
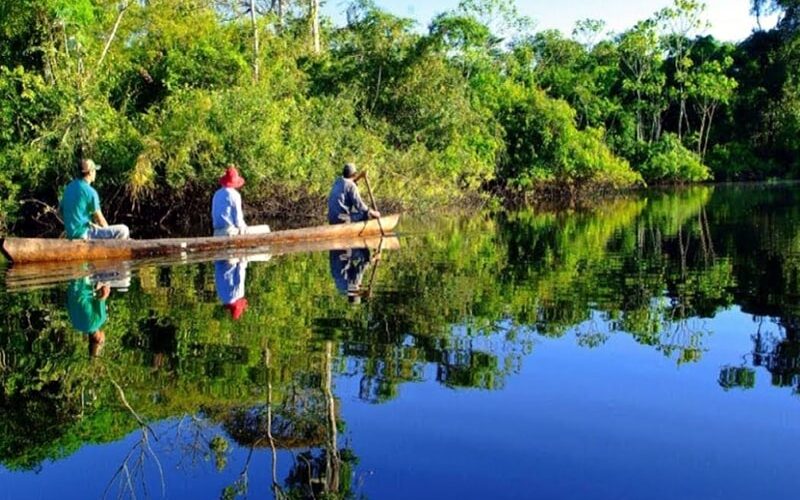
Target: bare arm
99,219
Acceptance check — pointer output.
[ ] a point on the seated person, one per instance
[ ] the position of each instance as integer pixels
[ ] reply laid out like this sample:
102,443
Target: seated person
345,203
227,215
80,209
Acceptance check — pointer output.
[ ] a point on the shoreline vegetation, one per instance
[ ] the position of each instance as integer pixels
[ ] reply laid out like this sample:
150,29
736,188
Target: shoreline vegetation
478,105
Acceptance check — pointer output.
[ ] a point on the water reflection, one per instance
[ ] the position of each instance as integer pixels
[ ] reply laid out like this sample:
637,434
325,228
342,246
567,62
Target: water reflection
348,268
230,276
86,303
469,304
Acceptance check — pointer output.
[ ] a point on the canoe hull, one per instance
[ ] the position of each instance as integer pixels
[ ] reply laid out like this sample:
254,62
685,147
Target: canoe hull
24,250
34,275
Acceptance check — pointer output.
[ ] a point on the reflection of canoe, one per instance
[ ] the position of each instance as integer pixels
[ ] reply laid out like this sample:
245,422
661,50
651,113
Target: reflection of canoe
21,250
43,274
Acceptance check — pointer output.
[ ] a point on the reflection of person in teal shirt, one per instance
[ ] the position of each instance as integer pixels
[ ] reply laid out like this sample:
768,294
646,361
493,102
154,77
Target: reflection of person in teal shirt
86,305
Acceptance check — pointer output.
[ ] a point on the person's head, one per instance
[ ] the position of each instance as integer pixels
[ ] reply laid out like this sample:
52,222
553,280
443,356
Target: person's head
354,293
96,342
88,169
237,308
231,179
349,170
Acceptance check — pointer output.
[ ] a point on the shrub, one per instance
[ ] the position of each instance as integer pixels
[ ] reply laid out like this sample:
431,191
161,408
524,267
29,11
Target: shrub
668,161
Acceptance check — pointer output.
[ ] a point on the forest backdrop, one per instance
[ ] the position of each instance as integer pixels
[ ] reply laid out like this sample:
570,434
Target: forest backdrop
164,93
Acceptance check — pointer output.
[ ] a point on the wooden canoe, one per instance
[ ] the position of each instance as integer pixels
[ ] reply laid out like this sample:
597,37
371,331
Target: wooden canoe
25,250
24,277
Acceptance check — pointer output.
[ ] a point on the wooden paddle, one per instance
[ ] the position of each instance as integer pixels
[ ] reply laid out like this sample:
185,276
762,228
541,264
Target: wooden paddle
374,206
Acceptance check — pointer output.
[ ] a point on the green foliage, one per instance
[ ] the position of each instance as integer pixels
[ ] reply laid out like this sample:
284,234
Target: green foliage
670,161
165,93
544,146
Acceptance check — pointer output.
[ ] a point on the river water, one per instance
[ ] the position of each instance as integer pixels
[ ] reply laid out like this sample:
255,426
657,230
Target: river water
646,348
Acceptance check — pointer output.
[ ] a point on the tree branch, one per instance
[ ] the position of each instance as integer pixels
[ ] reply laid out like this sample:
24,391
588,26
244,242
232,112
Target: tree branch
123,7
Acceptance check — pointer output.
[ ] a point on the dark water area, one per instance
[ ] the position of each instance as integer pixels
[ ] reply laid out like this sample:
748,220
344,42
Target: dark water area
647,348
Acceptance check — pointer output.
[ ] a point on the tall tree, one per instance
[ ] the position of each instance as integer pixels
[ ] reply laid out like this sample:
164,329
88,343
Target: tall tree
313,17
256,55
643,77
710,86
680,21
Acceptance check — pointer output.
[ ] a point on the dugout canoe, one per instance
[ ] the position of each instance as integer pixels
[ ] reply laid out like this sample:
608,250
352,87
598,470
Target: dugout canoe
26,250
35,275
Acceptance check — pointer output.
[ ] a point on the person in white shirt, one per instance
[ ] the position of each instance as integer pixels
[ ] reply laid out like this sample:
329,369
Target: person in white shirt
227,216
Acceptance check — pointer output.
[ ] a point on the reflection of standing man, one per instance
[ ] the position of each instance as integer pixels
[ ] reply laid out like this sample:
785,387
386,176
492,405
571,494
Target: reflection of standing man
86,306
347,268
229,277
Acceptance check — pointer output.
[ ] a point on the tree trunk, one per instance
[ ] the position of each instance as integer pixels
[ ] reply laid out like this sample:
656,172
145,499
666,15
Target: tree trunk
703,124
277,8
712,110
314,15
255,39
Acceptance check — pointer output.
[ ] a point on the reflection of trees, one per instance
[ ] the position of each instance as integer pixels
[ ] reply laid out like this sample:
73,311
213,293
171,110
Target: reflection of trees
763,243
306,421
780,354
465,298
648,267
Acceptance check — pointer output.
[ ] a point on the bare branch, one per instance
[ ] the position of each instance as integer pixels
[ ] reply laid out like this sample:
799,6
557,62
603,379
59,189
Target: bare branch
123,7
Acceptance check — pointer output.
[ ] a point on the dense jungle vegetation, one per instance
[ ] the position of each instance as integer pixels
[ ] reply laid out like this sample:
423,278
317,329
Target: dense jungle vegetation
165,92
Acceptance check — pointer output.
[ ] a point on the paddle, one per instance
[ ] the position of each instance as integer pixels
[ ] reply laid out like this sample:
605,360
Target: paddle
374,269
372,199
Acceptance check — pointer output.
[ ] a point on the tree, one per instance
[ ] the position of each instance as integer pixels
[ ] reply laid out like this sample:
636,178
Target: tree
313,19
643,78
710,86
680,21
587,31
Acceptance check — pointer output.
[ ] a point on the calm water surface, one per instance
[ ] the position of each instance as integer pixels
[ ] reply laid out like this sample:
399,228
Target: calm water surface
649,348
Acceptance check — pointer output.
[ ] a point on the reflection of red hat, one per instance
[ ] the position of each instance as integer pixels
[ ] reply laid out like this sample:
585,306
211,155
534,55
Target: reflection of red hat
231,179
237,308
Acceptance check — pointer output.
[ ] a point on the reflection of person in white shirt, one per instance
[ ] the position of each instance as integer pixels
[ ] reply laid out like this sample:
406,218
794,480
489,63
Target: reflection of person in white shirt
229,277
227,215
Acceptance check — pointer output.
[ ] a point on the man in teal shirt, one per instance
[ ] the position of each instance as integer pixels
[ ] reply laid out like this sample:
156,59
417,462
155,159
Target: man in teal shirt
86,306
80,208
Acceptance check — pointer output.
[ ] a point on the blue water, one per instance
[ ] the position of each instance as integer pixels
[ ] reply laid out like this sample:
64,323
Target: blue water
547,407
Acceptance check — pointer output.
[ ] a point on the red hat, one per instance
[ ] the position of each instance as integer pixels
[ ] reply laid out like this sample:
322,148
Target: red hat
237,308
231,179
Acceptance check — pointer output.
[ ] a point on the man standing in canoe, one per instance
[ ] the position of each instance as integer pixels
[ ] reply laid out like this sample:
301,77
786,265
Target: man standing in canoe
80,208
344,202
227,215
